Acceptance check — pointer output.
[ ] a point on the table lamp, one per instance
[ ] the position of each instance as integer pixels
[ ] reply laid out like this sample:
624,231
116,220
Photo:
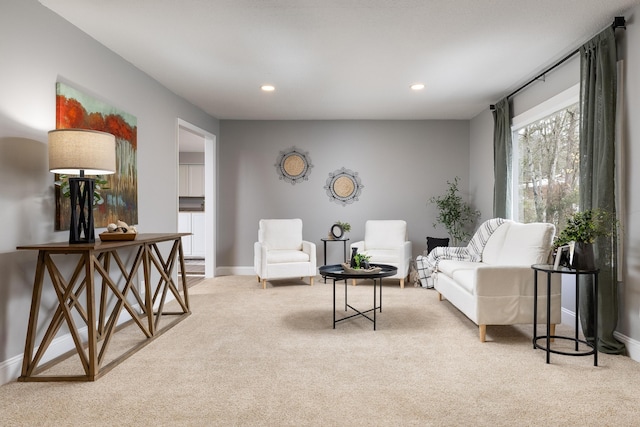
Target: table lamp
76,152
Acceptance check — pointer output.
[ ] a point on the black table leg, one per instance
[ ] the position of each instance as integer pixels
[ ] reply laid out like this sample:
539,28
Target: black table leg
595,320
334,301
344,255
535,307
374,302
325,263
548,317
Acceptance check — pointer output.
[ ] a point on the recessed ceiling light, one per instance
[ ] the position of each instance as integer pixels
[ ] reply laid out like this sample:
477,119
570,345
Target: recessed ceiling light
417,86
268,88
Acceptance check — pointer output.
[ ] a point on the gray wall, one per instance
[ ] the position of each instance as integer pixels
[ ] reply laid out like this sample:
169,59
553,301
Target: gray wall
38,48
401,165
629,290
481,144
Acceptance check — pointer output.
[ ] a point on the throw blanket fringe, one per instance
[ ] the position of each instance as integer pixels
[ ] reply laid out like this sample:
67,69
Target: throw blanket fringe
427,265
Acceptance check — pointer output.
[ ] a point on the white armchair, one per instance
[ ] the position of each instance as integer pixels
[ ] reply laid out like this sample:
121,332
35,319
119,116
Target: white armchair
280,251
386,242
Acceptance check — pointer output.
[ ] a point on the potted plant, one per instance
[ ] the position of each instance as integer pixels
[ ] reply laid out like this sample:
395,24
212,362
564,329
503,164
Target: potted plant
454,213
361,261
581,232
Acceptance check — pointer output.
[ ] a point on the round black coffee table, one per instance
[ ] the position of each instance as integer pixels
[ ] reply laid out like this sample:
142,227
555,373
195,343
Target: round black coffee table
337,273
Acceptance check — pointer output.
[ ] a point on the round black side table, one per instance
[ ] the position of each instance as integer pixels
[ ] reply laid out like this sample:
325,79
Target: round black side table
337,273
549,270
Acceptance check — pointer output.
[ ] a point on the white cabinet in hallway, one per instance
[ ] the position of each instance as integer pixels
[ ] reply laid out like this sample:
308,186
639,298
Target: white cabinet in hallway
199,235
191,180
192,222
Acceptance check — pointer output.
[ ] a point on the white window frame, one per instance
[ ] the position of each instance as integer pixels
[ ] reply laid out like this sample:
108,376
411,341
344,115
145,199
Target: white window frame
552,105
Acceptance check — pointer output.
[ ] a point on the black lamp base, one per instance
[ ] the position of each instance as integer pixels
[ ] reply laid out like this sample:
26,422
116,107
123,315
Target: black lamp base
81,229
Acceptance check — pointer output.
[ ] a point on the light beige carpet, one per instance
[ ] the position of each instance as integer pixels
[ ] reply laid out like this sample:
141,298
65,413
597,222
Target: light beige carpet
250,357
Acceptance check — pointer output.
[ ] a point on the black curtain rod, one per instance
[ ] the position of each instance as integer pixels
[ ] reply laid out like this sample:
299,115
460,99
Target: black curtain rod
618,22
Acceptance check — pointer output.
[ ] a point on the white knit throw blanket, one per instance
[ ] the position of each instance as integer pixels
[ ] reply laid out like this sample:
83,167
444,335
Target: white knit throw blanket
426,265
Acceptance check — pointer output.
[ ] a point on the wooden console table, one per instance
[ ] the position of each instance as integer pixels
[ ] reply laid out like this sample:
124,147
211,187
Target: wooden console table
100,313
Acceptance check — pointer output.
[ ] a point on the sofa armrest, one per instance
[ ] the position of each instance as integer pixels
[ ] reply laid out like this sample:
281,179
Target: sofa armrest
407,250
497,280
259,258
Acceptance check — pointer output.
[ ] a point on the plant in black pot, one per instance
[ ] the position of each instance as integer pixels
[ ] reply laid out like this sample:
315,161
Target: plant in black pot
581,231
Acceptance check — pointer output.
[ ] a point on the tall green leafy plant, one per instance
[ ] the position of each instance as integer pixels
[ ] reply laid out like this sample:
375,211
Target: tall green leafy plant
456,215
586,226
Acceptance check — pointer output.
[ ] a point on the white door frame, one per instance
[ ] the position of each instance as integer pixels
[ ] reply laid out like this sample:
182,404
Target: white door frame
210,196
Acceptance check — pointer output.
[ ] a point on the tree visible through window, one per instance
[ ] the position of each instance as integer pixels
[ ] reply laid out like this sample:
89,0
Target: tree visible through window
548,167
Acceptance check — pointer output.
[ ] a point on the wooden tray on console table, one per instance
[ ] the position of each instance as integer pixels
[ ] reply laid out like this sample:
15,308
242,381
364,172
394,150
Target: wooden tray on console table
105,237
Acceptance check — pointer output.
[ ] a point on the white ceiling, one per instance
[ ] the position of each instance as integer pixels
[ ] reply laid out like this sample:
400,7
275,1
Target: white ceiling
342,59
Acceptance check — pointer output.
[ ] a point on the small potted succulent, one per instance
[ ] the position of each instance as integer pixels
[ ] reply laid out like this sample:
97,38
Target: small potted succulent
361,261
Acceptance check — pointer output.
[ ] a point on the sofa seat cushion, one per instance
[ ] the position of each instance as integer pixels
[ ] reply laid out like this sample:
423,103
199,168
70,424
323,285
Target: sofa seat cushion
462,272
284,256
384,256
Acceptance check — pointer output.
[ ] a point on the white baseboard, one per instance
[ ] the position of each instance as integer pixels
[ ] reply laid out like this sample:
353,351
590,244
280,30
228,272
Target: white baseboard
11,369
568,317
235,271
632,346
238,271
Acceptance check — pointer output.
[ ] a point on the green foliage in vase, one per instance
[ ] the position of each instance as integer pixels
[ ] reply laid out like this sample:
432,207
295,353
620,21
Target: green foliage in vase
586,226
100,184
454,213
345,225
361,259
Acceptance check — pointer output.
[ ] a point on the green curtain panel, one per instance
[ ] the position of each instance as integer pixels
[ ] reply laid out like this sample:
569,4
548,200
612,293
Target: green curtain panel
597,179
502,159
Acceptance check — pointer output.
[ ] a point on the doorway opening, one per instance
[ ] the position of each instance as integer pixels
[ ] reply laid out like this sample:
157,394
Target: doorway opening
196,198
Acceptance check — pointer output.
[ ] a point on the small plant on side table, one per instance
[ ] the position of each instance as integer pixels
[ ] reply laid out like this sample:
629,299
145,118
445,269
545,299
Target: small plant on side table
345,226
361,261
581,232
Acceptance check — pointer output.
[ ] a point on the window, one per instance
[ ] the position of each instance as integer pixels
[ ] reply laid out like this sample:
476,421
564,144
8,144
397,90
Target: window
546,170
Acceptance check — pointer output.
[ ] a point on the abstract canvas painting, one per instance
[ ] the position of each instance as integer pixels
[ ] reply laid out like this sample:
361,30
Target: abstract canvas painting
77,110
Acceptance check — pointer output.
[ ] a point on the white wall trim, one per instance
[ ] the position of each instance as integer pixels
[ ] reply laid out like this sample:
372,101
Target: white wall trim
546,108
11,369
633,346
235,271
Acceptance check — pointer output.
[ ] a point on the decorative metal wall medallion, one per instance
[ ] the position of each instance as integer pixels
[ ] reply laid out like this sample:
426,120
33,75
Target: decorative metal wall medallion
294,165
343,186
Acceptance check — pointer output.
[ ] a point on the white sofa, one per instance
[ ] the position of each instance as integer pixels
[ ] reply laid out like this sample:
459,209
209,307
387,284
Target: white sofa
498,290
386,242
280,251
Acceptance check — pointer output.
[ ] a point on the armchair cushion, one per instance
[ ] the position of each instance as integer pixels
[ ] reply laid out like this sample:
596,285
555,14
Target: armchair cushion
384,234
281,233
